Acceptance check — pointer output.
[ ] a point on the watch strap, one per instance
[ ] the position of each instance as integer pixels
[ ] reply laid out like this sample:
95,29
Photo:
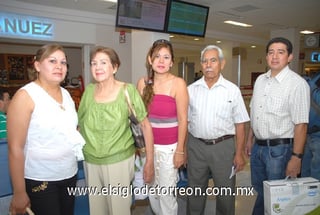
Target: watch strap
297,155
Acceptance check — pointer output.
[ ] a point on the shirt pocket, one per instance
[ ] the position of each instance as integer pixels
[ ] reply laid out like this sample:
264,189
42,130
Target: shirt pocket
225,111
275,105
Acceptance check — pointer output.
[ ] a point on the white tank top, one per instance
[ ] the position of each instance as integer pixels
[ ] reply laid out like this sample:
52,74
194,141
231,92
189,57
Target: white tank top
51,136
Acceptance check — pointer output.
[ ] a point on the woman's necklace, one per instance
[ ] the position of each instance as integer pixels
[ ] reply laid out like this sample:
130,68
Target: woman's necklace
61,106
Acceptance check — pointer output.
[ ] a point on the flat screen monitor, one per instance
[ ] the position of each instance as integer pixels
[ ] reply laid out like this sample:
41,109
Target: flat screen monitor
142,14
315,57
187,18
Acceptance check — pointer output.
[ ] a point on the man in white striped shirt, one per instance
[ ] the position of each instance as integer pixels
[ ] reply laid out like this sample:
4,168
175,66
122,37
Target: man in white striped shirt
216,124
280,107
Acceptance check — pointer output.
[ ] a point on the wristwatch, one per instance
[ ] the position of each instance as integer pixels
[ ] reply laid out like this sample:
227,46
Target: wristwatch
297,155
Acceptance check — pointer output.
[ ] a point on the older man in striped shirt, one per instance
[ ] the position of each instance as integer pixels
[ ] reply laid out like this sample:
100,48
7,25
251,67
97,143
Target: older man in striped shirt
217,116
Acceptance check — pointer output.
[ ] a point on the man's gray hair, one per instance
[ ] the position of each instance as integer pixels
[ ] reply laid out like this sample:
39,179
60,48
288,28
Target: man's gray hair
212,47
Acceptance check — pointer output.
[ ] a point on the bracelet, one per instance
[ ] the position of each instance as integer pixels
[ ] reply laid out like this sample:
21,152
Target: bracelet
179,153
297,155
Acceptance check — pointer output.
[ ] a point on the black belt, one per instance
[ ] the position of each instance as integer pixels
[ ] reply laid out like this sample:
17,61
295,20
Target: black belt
215,141
274,142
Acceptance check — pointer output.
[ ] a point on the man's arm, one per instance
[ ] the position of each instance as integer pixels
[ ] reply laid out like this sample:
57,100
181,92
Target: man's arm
300,135
239,160
250,142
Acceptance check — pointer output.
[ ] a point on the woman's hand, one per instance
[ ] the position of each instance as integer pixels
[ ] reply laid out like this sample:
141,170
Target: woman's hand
19,203
179,159
148,171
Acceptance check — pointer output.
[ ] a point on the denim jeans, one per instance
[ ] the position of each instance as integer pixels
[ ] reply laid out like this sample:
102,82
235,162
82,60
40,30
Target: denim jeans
311,158
267,163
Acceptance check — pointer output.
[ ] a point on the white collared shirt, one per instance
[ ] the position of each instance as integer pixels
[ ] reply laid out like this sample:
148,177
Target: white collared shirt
278,103
214,112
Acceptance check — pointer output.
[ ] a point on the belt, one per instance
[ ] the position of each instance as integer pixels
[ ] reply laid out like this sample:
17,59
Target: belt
274,142
215,141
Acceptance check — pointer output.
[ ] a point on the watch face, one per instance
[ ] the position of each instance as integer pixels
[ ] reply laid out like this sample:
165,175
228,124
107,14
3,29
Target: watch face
311,40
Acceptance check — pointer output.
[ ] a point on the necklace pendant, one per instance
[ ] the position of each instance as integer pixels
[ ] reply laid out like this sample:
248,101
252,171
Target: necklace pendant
62,108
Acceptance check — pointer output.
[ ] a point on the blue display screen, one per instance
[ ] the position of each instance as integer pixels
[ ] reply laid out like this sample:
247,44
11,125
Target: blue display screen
187,18
315,57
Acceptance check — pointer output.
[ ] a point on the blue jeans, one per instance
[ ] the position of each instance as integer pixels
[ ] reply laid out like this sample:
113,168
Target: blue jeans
311,158
267,163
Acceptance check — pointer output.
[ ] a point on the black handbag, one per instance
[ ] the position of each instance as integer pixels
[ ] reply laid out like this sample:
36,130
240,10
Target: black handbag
135,126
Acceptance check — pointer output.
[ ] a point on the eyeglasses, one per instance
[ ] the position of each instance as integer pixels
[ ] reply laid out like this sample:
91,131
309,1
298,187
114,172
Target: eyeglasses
161,41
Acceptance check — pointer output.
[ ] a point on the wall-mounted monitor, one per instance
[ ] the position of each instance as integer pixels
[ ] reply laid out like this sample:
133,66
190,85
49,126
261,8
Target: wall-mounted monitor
187,18
142,14
315,57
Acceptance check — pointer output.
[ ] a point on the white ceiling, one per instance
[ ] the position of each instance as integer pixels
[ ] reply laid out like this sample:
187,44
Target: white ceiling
264,15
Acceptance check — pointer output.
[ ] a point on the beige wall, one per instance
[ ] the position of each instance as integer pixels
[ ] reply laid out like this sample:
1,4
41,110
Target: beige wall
253,62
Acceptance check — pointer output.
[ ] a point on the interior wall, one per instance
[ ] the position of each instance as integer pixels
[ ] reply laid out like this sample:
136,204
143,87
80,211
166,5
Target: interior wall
254,61
109,37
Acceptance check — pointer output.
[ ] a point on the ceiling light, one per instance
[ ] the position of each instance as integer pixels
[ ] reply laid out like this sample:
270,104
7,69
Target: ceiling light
237,23
306,32
113,1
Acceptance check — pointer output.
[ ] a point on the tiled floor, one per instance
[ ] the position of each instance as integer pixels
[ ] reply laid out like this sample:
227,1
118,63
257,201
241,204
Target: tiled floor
244,204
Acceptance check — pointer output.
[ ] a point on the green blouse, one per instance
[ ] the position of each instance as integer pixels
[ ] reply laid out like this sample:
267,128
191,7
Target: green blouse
105,126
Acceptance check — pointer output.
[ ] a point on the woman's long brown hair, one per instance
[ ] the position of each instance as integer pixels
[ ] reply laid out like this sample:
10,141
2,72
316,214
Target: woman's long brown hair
148,92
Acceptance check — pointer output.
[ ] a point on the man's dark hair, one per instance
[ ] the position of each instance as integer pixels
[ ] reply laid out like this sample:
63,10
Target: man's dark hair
280,40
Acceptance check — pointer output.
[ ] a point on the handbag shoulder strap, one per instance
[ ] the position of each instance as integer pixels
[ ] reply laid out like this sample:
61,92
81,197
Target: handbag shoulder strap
131,109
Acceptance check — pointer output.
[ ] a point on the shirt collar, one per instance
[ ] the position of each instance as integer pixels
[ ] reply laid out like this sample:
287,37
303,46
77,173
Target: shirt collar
221,82
282,74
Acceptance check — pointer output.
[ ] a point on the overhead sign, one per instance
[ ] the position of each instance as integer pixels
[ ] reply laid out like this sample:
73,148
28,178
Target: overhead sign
18,25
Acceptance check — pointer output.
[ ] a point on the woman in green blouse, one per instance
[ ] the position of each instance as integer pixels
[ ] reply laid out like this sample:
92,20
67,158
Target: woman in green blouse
109,150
